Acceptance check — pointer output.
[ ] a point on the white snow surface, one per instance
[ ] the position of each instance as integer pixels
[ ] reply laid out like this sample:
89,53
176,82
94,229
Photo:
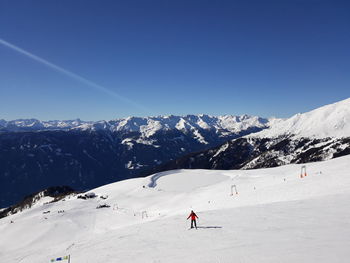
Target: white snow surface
275,217
328,121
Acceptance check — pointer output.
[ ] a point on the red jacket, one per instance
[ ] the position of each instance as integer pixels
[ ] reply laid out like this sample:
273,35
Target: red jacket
193,216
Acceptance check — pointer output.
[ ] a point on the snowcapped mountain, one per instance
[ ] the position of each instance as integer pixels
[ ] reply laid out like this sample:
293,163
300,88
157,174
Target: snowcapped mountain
84,155
37,125
252,153
328,121
241,212
321,134
147,126
35,155
263,215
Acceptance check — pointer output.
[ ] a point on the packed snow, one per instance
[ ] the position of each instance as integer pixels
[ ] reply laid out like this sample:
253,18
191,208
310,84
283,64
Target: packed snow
276,216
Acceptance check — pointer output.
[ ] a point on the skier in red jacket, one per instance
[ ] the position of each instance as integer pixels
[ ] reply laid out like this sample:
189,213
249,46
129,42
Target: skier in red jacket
193,219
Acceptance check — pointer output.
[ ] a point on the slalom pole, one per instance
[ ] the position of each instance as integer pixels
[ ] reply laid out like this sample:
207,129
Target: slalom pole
69,258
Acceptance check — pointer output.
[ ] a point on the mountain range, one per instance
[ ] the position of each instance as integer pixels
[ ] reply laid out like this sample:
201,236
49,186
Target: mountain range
321,134
146,126
37,154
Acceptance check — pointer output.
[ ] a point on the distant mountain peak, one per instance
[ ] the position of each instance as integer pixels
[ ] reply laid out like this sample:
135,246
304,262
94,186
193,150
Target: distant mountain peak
331,120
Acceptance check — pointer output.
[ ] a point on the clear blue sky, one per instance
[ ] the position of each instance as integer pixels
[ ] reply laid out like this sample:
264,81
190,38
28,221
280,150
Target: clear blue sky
266,58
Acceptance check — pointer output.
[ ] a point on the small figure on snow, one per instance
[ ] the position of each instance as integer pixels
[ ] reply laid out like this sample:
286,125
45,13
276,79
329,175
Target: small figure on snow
193,217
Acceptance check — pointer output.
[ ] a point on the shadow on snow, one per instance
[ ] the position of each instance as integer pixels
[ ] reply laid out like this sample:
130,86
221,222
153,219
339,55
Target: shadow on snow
209,227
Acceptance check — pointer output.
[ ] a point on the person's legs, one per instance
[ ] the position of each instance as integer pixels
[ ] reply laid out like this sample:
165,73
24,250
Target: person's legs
191,223
195,223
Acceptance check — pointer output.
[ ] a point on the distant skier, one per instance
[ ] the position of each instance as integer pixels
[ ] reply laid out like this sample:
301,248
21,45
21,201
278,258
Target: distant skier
193,217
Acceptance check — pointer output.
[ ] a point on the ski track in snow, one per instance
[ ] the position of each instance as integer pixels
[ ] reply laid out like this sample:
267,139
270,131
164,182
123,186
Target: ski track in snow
155,177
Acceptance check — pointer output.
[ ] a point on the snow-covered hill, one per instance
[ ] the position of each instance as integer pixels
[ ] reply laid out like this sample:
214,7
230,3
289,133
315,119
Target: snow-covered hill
275,217
328,121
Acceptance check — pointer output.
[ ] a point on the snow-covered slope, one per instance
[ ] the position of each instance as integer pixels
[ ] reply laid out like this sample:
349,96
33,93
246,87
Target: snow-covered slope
275,217
328,121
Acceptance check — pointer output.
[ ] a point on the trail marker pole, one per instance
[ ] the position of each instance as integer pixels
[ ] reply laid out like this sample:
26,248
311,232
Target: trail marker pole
234,186
303,171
